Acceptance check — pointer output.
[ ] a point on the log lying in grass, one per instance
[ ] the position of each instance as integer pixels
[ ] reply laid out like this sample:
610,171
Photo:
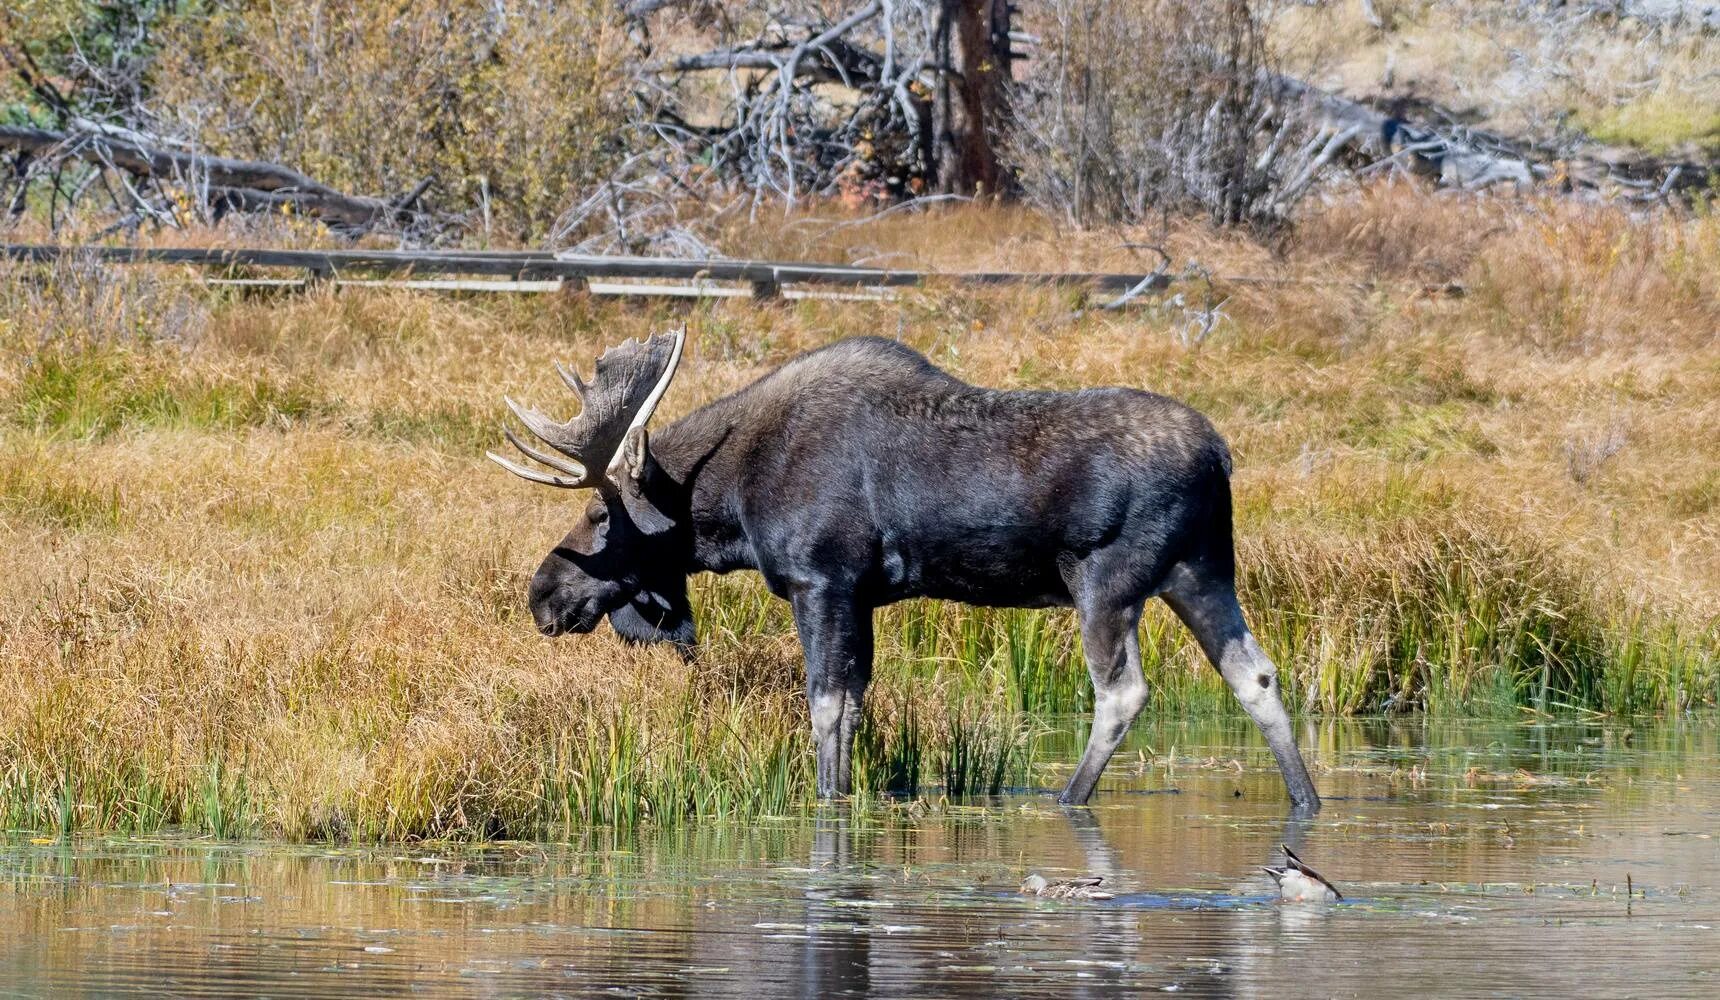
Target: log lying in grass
228,184
537,265
1684,15
1462,157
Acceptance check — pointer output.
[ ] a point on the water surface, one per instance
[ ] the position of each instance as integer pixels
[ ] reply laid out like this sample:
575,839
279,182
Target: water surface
1476,858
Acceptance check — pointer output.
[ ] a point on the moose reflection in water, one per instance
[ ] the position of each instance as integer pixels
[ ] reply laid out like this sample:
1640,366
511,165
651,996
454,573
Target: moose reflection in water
852,944
860,474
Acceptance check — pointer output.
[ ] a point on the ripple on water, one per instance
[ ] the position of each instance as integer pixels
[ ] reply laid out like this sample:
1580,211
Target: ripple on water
1530,860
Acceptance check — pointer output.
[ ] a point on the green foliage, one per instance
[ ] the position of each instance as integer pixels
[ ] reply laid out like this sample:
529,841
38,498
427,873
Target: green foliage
93,394
1461,618
63,505
890,752
983,751
456,428
129,799
1035,655
87,55
1660,123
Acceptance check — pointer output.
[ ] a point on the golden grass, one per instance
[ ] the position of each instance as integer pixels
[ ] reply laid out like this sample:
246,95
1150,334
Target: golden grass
260,578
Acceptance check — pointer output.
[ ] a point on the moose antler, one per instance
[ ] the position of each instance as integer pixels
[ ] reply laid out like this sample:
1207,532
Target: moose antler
629,383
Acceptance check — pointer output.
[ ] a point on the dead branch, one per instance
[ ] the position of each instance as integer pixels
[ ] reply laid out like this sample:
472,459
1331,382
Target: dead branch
249,185
1454,155
872,101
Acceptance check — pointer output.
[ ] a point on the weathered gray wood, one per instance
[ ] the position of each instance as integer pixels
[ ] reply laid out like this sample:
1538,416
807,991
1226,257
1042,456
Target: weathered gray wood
335,261
1457,160
572,285
249,184
1471,158
529,265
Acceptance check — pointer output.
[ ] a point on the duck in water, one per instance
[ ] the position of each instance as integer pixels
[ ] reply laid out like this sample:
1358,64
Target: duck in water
1297,883
1067,888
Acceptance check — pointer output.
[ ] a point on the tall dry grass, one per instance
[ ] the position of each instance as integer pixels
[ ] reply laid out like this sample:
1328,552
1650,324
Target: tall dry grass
259,578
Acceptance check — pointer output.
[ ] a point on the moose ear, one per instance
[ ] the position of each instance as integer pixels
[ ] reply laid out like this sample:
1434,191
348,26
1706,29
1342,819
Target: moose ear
643,512
634,448
627,472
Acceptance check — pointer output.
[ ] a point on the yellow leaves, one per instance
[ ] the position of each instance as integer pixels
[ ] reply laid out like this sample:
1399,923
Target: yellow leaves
1619,246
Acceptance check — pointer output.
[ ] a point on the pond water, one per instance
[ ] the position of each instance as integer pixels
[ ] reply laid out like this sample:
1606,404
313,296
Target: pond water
1474,858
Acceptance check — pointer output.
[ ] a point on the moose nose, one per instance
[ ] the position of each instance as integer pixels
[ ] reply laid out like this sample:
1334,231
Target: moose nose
548,621
559,614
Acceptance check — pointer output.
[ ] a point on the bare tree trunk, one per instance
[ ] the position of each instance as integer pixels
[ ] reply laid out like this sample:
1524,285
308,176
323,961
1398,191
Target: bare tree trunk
1241,60
20,170
973,95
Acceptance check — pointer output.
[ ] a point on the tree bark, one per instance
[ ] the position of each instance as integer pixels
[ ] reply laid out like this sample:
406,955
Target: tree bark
974,97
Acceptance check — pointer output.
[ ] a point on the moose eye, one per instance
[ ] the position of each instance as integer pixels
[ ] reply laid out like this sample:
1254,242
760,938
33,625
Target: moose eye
597,513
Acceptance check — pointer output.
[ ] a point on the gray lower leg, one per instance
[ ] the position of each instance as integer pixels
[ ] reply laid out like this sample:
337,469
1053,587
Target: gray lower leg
826,709
836,635
1210,611
1113,647
853,708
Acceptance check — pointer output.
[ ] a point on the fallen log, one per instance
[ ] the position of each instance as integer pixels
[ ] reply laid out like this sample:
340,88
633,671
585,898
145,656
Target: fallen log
1686,15
246,185
1458,160
533,265
1463,157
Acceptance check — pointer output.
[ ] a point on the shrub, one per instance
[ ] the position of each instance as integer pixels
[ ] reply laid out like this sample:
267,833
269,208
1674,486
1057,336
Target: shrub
1137,107
510,105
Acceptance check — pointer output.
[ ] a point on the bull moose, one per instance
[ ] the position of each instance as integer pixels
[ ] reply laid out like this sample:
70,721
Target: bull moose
860,474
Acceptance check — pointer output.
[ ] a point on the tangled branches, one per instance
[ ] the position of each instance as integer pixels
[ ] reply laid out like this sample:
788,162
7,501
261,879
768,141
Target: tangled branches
887,100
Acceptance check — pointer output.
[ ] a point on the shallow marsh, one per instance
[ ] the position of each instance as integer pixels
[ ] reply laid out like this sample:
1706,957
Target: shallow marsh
1519,859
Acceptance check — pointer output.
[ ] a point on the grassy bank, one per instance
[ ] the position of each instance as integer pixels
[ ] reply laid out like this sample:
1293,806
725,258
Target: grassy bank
259,578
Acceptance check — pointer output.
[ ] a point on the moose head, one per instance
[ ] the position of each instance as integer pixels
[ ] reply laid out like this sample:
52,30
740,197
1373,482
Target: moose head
626,555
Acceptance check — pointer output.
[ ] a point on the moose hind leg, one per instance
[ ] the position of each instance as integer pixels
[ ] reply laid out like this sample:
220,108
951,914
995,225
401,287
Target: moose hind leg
836,636
1111,637
853,710
1207,604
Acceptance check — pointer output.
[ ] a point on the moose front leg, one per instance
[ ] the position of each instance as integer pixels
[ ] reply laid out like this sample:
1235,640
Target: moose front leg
836,635
1110,637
